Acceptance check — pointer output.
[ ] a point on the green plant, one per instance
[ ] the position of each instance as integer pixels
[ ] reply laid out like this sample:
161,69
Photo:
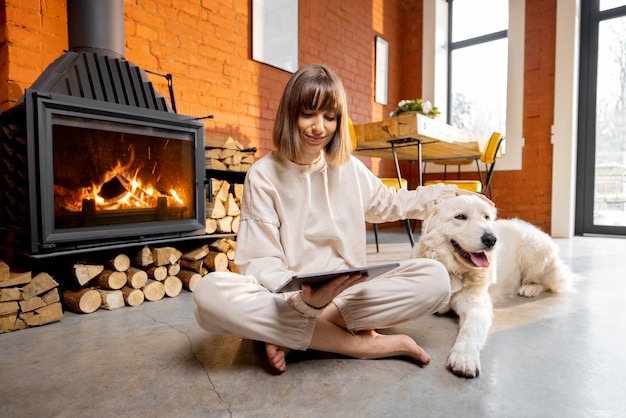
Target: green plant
418,105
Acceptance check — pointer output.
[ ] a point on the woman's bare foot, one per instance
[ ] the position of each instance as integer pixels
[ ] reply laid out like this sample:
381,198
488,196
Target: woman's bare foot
364,344
277,356
382,345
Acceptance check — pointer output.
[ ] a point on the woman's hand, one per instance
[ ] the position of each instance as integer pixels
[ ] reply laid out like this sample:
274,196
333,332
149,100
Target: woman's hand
319,297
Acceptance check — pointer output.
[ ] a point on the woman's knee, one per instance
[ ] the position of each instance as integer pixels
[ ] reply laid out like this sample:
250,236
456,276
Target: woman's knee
210,302
433,280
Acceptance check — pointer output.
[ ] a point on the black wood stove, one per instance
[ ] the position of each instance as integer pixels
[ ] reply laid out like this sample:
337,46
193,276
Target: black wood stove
92,156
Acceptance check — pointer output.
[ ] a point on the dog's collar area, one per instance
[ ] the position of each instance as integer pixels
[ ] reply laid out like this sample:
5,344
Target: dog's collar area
474,259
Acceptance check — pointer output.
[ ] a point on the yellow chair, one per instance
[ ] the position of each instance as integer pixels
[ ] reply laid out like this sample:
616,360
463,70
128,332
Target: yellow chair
488,157
389,182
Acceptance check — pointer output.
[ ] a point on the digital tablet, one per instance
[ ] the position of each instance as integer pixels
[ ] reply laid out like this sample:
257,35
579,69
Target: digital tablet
318,279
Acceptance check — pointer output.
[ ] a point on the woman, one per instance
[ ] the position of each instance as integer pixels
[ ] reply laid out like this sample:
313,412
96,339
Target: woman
304,210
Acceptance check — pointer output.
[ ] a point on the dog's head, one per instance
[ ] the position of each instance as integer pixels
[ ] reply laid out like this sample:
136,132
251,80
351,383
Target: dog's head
458,231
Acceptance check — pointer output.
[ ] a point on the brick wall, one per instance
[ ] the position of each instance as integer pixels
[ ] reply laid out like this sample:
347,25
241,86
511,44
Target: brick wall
205,45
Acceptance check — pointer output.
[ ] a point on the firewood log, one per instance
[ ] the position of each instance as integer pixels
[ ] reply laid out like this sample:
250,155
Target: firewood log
216,261
158,273
215,209
238,190
220,245
232,266
211,226
227,153
153,290
85,272
120,262
44,315
166,255
51,296
215,164
16,279
110,279
31,304
85,300
224,225
247,159
10,294
41,283
111,299
213,153
189,279
144,257
222,193
232,208
195,265
172,285
173,269
9,323
4,271
137,278
132,297
235,225
196,254
7,308
230,254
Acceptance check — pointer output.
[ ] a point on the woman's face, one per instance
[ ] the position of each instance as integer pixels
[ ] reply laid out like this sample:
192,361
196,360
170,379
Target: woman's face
316,129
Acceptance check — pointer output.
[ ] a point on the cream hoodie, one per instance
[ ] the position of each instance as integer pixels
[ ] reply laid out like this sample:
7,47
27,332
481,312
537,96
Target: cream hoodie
308,218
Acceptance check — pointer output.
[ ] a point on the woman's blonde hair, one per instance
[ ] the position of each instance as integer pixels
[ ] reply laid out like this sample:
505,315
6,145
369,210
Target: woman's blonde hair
313,87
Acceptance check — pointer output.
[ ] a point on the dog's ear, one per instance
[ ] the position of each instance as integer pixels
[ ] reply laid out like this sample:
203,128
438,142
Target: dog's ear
432,213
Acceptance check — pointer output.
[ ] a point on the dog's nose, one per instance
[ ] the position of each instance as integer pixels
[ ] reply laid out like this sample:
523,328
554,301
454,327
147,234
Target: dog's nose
488,239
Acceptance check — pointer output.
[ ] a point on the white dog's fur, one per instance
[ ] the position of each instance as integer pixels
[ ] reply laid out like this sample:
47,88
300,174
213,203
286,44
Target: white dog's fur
487,259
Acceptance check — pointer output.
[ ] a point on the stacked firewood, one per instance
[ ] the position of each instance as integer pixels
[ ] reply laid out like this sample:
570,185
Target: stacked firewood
27,301
227,154
150,274
222,210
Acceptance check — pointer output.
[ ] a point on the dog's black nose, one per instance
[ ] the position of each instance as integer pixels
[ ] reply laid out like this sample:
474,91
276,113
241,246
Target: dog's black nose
488,239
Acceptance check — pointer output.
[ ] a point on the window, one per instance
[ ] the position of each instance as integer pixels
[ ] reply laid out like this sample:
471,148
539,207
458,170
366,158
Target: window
481,42
477,65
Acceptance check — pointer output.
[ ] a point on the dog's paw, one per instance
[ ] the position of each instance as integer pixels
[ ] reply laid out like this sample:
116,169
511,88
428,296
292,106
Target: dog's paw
465,363
531,290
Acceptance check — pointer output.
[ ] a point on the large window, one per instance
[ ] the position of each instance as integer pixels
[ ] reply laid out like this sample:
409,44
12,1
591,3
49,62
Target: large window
601,198
477,65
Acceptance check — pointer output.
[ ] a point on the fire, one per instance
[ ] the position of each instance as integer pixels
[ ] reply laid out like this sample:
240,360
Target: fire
121,191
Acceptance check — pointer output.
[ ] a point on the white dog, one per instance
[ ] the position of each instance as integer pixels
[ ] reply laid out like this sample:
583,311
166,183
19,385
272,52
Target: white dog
486,259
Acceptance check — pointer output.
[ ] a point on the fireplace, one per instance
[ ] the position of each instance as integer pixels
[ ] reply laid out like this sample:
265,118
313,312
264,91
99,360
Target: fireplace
92,156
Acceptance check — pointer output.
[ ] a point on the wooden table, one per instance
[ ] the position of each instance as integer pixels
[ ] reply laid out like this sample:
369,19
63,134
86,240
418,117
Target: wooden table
414,137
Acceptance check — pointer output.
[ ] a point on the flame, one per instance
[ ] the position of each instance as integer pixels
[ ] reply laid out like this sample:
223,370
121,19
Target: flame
132,192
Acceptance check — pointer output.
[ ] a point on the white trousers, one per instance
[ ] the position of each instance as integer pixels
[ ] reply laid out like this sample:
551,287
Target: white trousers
232,303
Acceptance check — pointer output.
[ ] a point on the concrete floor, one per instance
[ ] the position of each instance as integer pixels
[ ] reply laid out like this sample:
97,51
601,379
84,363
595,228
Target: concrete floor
547,357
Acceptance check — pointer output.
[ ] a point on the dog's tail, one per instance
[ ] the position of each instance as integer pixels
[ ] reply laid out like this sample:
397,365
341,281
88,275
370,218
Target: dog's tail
559,278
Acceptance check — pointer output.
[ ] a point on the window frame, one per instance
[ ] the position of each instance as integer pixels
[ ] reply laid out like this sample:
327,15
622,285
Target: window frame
435,75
